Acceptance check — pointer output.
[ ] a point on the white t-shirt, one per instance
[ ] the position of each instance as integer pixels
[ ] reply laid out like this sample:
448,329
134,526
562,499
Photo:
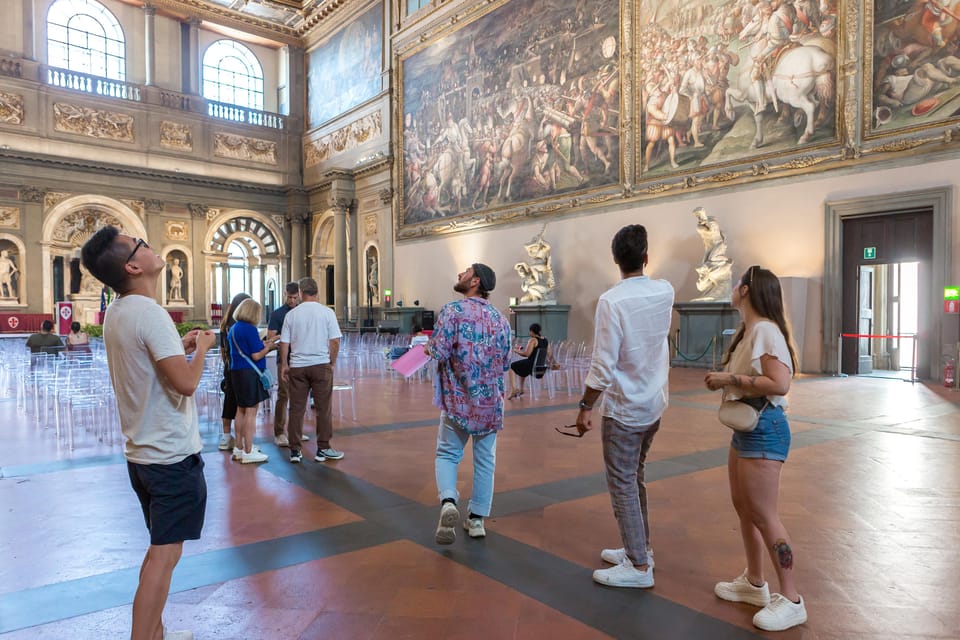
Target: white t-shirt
160,425
308,329
764,339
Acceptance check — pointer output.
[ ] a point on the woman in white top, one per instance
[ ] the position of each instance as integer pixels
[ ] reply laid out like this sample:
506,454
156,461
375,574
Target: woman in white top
759,366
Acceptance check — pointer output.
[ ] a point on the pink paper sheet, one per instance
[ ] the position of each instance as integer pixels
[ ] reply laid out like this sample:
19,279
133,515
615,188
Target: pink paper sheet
411,362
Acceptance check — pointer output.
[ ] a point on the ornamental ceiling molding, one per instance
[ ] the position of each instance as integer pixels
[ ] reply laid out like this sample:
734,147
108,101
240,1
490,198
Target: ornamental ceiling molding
347,137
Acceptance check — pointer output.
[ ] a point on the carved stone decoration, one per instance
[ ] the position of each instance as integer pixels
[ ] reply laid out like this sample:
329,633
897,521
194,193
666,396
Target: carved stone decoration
714,275
11,108
177,230
136,205
212,213
76,227
358,132
32,194
198,210
177,136
10,217
92,123
226,145
153,205
279,220
53,198
386,195
370,224
536,276
11,67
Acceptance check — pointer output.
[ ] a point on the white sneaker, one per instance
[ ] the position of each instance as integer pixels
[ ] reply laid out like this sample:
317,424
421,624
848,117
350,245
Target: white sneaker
617,556
474,527
237,454
304,438
447,527
255,455
226,442
740,590
177,635
624,575
781,614
281,440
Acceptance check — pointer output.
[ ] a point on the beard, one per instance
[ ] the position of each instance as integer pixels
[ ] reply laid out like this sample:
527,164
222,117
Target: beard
461,287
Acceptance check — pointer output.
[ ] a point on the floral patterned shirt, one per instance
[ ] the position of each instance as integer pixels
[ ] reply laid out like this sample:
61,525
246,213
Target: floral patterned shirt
471,342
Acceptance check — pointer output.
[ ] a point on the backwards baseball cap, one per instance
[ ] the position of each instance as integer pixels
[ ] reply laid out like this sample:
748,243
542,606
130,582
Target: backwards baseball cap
488,279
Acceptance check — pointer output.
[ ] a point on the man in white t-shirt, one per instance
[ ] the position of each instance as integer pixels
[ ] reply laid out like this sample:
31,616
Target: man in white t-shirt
154,384
630,366
309,343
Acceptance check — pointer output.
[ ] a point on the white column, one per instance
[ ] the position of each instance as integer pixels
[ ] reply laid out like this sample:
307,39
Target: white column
340,256
150,44
194,64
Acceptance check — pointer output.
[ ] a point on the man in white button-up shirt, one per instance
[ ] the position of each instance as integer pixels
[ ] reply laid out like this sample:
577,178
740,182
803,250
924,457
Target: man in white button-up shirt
630,366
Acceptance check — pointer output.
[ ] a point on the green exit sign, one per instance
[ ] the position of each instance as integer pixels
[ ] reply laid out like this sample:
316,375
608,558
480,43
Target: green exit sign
951,293
869,253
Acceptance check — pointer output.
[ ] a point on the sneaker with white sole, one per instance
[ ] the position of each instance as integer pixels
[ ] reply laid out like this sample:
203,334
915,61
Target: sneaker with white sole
447,526
281,440
295,456
781,614
328,454
741,590
624,575
177,635
474,527
617,556
237,453
255,455
226,442
304,438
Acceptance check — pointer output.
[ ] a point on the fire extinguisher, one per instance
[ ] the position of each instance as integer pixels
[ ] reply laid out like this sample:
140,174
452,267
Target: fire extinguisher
949,372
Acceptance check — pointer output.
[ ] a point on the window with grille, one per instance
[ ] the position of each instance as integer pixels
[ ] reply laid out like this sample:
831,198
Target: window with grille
232,75
84,36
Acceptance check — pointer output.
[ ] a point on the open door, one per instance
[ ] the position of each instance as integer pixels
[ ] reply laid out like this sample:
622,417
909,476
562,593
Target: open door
865,318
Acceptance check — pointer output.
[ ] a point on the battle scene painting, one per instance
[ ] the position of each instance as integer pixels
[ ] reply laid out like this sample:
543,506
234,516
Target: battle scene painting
916,64
723,80
345,71
518,105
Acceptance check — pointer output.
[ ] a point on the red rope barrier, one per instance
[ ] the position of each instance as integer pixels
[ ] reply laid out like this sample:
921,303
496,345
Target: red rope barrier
868,335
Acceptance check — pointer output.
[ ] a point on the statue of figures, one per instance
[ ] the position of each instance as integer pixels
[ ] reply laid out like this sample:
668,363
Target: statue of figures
536,277
373,277
176,280
89,286
714,274
7,269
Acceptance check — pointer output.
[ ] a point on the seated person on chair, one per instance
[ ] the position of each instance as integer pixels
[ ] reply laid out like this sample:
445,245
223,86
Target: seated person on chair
46,340
77,339
533,358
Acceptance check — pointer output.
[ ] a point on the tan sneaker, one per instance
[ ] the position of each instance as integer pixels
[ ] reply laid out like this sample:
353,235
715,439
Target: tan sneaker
740,590
281,440
474,527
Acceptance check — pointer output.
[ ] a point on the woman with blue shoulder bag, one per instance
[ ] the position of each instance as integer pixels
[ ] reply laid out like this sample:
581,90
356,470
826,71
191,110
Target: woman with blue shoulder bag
249,377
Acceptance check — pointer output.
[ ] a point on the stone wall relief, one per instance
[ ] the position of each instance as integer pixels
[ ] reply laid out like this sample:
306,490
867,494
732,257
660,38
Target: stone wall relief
226,145
358,132
93,123
174,135
75,227
11,274
11,108
9,217
53,198
176,230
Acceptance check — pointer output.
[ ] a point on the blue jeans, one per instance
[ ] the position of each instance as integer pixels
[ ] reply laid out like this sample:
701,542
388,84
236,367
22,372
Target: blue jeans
450,443
769,441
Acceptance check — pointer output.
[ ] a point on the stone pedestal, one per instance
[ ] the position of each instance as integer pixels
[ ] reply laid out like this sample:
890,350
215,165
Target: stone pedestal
701,342
405,316
85,307
552,319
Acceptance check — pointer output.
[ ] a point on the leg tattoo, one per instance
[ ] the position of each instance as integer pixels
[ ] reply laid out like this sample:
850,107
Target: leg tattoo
784,554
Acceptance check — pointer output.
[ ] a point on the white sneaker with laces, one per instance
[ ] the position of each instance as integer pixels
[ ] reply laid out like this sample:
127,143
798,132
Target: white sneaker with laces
255,455
617,556
781,614
281,440
226,442
237,454
474,527
624,575
740,590
447,527
177,635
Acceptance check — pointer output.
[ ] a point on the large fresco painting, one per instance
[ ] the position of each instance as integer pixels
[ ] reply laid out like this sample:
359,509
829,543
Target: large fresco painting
723,80
916,64
518,105
345,71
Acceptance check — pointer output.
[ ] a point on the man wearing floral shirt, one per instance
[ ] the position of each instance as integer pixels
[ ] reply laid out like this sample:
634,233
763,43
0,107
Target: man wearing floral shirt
471,343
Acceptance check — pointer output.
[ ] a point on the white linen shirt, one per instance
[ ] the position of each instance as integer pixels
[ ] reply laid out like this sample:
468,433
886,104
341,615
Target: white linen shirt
631,360
308,329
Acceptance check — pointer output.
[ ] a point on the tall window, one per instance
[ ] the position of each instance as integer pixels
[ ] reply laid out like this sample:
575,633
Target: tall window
232,74
83,36
415,5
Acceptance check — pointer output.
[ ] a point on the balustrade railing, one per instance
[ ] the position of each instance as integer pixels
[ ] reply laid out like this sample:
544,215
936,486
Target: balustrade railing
93,84
242,114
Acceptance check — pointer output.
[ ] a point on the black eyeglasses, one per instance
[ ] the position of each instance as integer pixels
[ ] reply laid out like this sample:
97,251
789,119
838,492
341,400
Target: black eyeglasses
140,243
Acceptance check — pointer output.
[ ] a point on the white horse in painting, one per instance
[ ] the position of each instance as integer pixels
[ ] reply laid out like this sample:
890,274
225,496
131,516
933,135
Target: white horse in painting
802,78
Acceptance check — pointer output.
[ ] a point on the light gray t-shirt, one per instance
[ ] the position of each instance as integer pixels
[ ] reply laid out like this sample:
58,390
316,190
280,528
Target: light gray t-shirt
160,425
308,330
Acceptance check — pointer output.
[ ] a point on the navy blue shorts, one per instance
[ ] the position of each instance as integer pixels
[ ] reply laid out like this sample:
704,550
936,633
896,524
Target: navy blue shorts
173,498
769,441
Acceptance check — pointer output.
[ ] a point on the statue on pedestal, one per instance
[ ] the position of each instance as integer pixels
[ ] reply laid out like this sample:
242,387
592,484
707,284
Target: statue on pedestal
176,281
373,277
714,275
7,269
536,276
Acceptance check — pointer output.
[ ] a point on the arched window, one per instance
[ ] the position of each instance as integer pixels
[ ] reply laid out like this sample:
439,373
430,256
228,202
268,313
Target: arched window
232,74
83,36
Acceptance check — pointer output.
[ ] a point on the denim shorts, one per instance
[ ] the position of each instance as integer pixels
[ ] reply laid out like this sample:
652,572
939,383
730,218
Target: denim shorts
769,441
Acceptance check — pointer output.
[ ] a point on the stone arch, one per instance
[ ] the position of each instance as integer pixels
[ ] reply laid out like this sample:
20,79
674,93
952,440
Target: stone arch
188,269
21,269
235,221
262,237
69,224
322,256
